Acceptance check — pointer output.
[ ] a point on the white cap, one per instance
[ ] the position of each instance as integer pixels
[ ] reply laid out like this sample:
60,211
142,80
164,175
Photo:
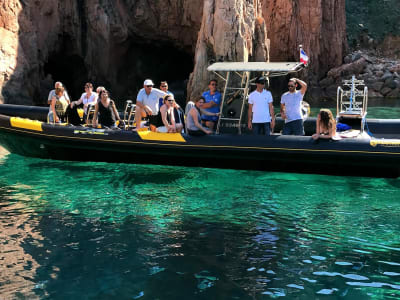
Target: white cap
148,82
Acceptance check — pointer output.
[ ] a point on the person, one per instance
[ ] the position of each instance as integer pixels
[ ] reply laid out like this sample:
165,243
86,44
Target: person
168,117
58,106
87,98
106,111
52,93
99,89
212,104
291,107
193,121
261,115
326,125
164,88
147,103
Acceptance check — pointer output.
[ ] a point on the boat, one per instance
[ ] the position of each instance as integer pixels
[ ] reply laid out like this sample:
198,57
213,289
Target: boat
25,131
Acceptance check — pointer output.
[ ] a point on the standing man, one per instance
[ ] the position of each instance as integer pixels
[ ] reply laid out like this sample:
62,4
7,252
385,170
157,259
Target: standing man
52,93
261,115
291,108
147,103
212,104
164,88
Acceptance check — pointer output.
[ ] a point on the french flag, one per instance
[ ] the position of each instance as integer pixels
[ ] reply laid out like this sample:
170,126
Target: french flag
303,57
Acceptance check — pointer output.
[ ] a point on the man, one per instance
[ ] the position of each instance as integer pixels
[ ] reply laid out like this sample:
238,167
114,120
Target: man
164,88
261,115
52,93
212,104
147,103
291,107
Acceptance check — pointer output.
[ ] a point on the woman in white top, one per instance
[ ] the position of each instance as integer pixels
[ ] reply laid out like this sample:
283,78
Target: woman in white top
87,98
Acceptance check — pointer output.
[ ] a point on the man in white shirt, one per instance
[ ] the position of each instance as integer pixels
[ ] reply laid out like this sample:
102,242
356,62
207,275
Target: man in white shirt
147,103
52,93
261,116
291,108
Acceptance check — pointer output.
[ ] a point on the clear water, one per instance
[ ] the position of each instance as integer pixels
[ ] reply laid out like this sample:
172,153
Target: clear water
114,231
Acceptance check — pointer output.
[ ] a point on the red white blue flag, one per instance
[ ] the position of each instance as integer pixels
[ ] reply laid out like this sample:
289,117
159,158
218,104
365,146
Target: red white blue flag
303,57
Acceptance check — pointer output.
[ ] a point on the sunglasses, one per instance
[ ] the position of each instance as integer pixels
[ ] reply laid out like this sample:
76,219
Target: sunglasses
290,85
213,84
170,100
164,86
149,86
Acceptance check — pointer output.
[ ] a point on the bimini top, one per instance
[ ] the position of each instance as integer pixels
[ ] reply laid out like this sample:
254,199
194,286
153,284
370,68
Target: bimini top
275,67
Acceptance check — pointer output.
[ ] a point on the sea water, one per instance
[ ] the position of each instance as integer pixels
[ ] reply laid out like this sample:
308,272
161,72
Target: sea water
73,230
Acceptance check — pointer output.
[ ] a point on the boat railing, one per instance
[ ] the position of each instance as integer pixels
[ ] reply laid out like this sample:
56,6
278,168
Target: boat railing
352,101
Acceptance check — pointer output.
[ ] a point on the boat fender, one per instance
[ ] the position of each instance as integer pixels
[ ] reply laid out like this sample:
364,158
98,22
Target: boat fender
305,109
231,113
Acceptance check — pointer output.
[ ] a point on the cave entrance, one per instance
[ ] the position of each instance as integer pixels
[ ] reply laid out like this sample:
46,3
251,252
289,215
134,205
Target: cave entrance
123,71
70,70
156,60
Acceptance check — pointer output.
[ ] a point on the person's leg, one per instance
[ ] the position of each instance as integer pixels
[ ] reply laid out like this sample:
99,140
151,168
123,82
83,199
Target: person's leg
139,114
267,128
298,127
196,132
287,129
179,127
256,128
210,125
50,117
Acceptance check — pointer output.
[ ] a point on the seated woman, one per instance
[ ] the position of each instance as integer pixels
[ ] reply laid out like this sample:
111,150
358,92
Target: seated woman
326,125
106,111
193,121
168,118
87,98
58,106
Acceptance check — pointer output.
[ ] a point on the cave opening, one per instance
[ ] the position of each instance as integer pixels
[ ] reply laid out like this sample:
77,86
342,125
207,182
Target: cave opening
159,61
124,70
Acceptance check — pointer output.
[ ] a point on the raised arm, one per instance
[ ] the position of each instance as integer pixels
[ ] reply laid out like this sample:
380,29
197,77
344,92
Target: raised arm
302,84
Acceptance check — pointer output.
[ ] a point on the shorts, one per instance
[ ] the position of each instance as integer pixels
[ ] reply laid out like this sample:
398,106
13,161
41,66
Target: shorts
209,118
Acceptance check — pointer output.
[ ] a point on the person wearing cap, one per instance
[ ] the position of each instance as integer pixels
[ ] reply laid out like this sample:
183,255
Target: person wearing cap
261,116
291,107
147,103
212,104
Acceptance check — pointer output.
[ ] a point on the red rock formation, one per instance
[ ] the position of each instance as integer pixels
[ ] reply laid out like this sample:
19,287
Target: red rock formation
119,42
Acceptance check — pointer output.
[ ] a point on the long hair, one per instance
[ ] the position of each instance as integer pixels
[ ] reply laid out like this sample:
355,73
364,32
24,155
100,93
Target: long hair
326,118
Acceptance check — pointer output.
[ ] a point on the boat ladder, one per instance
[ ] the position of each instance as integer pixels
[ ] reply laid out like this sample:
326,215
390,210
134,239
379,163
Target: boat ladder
352,103
236,87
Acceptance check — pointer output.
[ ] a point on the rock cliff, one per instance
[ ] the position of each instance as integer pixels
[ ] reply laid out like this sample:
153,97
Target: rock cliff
118,43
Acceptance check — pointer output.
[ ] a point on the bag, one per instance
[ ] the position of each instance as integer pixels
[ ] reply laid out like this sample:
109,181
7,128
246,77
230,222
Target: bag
342,127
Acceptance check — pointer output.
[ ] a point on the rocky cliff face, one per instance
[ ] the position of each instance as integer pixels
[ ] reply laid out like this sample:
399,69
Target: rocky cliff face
119,43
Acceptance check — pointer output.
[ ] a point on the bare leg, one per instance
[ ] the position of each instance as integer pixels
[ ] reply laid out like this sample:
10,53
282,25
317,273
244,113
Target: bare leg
210,124
139,114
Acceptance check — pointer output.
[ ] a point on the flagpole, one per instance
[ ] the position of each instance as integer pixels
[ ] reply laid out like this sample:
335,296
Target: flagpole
300,48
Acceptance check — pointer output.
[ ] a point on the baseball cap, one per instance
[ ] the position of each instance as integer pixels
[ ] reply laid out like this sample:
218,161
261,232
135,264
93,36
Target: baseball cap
148,82
260,79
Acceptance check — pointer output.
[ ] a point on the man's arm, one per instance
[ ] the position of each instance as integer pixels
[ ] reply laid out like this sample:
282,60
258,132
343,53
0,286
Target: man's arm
272,113
250,117
302,84
283,114
210,104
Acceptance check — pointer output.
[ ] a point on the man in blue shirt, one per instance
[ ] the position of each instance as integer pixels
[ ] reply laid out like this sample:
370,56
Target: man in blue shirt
212,104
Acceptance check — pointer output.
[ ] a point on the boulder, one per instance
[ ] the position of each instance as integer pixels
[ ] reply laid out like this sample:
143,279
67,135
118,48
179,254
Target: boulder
386,75
377,86
395,93
347,59
385,91
379,73
390,83
326,82
353,68
374,94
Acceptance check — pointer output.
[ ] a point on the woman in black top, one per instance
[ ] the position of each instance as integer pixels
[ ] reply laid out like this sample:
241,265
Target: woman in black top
106,111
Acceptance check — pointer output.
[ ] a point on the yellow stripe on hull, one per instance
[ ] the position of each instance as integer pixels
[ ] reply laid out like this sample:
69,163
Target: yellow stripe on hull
157,136
26,124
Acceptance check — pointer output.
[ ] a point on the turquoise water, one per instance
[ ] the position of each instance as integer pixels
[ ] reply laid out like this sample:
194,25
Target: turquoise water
114,231
73,230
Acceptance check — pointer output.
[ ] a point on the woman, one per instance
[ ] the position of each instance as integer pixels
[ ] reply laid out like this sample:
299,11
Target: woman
168,119
59,104
106,111
326,125
88,98
193,122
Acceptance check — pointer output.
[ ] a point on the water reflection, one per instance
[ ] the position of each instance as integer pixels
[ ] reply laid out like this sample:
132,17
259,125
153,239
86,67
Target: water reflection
168,232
